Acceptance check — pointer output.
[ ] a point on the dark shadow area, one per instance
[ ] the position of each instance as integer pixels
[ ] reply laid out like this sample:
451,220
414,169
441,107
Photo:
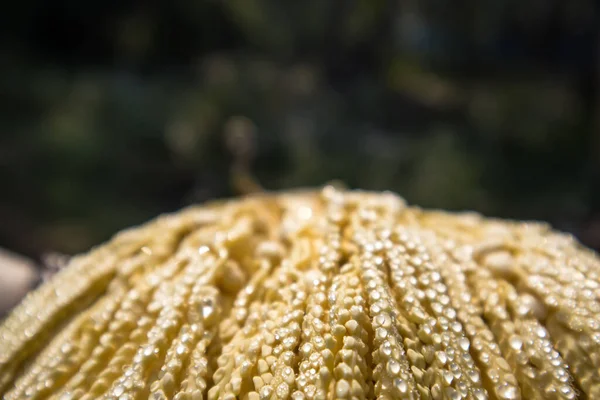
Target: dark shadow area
113,112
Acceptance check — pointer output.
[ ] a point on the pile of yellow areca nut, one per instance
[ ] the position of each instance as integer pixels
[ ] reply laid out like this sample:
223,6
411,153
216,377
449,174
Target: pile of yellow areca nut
313,295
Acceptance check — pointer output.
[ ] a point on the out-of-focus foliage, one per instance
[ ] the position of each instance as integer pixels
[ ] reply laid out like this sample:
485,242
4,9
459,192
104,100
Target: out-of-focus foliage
112,112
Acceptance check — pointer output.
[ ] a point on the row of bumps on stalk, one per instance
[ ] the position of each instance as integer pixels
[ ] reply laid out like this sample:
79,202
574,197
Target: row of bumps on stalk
313,295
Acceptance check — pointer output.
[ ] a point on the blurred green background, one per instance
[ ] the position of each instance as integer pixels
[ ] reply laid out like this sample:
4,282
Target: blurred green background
115,111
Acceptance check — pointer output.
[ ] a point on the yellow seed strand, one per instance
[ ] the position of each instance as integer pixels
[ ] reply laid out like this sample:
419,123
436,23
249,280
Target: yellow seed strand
287,337
315,363
89,276
22,332
317,359
350,328
103,319
146,361
554,376
245,336
203,309
130,323
495,370
580,364
508,335
56,363
393,377
429,261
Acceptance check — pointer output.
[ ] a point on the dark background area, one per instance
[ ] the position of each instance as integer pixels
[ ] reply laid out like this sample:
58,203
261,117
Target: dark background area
112,112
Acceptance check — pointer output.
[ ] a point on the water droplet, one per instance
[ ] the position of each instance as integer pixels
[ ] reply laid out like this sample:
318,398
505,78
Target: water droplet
452,394
266,392
448,377
507,392
298,395
473,376
381,333
207,308
283,390
393,367
119,390
66,396
516,343
480,394
441,357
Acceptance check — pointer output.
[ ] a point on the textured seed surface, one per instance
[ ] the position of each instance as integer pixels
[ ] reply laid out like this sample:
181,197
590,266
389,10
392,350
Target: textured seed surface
313,295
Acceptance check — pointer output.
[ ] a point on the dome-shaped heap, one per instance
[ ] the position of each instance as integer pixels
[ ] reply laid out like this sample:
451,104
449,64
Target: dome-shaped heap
331,295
